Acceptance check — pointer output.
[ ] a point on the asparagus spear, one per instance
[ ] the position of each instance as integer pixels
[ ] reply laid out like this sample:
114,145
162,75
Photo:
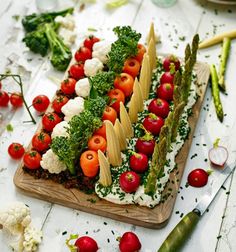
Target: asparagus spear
223,62
176,118
193,57
187,52
216,93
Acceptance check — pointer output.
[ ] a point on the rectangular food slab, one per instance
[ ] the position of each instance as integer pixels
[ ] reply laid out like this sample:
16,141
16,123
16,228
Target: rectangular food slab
142,216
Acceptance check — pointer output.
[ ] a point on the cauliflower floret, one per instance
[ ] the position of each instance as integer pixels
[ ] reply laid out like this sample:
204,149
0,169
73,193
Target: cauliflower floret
73,107
60,130
82,87
101,50
68,36
32,238
67,22
50,161
15,217
92,66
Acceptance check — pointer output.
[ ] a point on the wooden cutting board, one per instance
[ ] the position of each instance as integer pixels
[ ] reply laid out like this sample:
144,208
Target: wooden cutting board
137,215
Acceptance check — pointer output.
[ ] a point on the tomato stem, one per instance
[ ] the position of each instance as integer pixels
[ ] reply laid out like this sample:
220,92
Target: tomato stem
18,80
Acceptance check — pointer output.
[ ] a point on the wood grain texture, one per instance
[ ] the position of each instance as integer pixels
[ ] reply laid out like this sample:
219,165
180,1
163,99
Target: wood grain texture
137,215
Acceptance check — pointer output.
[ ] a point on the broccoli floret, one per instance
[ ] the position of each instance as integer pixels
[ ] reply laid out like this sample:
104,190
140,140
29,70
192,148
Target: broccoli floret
37,41
31,22
60,53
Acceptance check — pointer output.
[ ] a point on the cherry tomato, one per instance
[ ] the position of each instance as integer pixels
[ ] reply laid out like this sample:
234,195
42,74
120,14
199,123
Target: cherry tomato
89,163
129,242
40,103
125,83
90,41
16,150
116,96
132,67
32,159
129,181
198,178
101,131
86,244
145,146
109,114
141,51
171,63
76,71
167,77
159,107
16,100
165,91
59,102
50,120
153,124
97,142
138,162
83,54
41,141
68,86
4,98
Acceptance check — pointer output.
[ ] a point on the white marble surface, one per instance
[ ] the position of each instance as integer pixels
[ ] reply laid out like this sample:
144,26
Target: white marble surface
183,19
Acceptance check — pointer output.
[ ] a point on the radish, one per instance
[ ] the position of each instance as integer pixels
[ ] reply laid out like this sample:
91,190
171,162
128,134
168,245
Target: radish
129,242
198,178
218,155
82,244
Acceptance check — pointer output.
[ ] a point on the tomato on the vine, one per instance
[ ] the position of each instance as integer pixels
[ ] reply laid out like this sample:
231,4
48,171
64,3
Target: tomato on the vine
32,159
90,41
40,103
41,141
16,150
68,86
4,98
16,99
50,120
76,71
124,82
83,54
59,102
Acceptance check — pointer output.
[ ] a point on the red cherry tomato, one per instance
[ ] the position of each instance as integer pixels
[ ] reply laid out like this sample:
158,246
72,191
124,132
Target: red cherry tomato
116,96
159,107
41,141
129,242
145,146
76,71
167,77
132,67
16,150
90,41
165,91
124,82
32,159
129,181
138,162
86,244
141,51
40,103
171,63
153,124
68,86
59,102
50,120
4,98
16,100
109,114
83,54
198,178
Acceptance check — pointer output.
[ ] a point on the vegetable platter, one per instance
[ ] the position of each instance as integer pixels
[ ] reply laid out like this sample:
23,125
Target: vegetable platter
148,105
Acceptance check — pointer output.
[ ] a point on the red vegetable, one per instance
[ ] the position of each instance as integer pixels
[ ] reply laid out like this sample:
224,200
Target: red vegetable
141,52
124,82
16,150
32,159
59,102
16,100
145,146
83,54
167,77
86,244
131,67
68,86
129,181
4,98
116,96
218,155
129,242
159,107
76,71
41,141
198,178
40,103
50,120
90,41
138,162
153,124
165,91
171,62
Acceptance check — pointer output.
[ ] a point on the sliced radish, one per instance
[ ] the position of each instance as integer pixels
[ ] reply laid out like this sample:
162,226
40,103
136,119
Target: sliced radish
218,155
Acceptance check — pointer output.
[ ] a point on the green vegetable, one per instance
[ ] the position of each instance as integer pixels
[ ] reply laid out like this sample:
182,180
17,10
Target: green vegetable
95,106
176,120
223,62
123,48
33,21
69,149
9,127
60,53
215,93
115,3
